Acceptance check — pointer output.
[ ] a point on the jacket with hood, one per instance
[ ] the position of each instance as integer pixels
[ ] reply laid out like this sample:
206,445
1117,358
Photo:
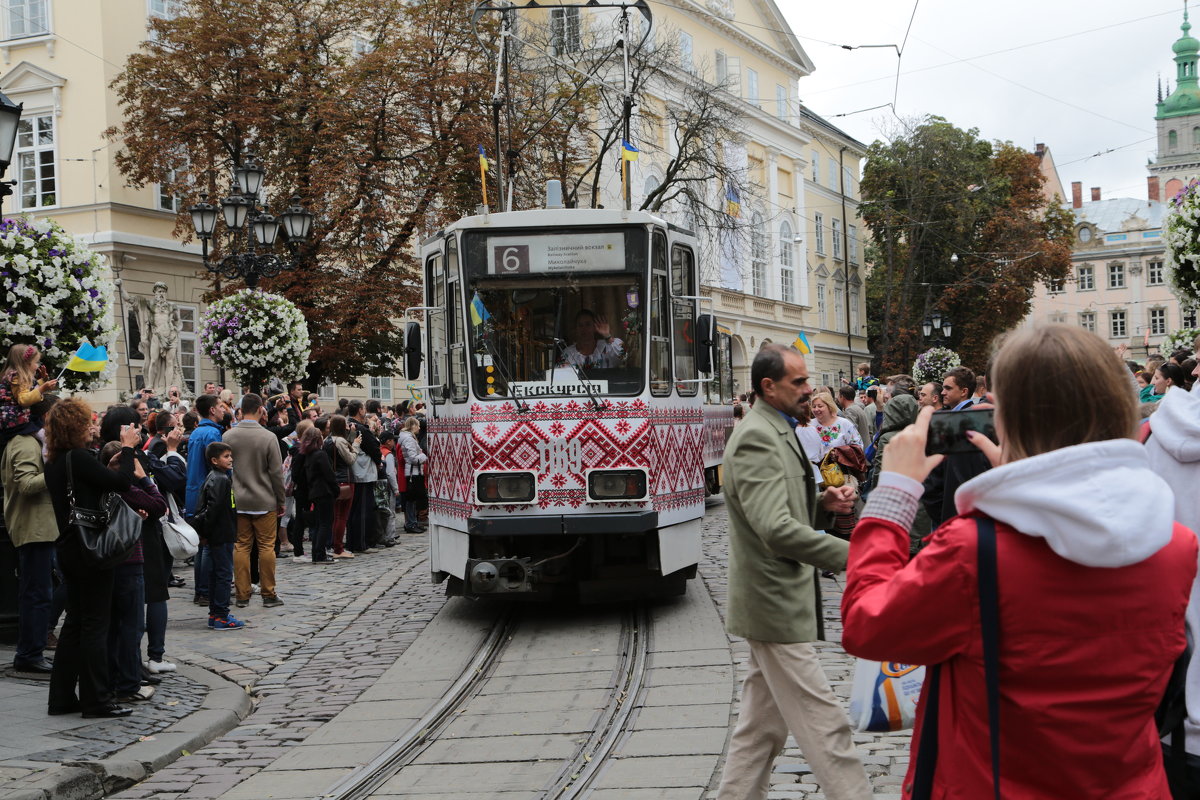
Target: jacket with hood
1093,575
1174,452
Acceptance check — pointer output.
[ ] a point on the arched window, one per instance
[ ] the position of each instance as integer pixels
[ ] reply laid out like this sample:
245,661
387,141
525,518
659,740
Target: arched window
1196,136
786,245
1172,140
651,185
787,275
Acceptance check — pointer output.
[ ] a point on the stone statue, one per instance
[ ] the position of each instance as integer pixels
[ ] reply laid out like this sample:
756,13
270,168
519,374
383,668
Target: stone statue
159,326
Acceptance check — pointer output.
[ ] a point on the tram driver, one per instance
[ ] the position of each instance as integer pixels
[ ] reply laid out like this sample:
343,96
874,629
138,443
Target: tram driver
594,345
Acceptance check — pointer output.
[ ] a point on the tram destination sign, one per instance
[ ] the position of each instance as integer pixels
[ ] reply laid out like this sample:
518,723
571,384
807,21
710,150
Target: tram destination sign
585,252
546,389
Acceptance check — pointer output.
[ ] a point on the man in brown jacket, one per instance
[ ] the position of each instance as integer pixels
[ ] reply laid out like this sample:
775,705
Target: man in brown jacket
258,497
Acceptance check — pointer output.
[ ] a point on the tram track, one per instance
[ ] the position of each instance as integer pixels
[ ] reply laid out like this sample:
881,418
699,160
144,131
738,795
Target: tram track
578,772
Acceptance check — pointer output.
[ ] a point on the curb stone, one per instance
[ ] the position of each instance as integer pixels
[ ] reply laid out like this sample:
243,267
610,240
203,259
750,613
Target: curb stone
225,705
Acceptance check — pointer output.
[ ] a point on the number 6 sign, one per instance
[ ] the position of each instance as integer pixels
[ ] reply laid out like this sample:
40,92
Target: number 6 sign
511,259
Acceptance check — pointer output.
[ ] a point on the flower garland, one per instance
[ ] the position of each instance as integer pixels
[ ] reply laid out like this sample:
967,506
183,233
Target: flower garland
934,363
1181,235
256,335
57,295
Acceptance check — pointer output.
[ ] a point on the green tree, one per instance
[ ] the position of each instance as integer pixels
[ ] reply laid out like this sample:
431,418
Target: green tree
960,226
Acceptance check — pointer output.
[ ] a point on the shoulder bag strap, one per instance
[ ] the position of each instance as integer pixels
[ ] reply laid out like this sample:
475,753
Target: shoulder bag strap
927,750
989,619
70,482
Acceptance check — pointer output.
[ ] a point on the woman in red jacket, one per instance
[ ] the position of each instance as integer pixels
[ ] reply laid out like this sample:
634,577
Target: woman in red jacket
1093,577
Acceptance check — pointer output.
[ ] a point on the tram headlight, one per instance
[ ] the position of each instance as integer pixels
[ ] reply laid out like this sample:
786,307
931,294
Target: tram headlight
505,487
617,484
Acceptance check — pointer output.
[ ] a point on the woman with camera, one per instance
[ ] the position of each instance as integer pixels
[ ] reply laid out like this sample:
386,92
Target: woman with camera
1092,577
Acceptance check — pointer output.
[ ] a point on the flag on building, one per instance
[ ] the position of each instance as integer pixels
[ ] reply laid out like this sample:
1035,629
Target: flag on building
88,359
733,204
479,314
628,151
802,344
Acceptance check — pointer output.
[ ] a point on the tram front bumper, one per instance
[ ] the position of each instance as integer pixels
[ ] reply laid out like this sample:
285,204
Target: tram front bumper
564,524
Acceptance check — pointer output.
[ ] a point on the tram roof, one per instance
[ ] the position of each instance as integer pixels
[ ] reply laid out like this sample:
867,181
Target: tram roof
555,218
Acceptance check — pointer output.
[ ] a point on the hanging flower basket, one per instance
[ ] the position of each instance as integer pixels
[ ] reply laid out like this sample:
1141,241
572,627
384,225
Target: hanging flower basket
57,295
1181,235
257,336
1180,339
934,363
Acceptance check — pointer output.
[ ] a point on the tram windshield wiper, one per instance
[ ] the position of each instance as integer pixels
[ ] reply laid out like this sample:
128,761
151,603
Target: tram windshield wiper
504,369
587,387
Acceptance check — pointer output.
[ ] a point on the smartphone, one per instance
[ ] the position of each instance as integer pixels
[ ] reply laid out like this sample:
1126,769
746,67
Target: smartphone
948,430
872,393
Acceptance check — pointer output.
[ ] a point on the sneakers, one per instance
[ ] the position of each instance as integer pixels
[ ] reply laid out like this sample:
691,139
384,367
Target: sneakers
158,667
228,623
302,560
272,602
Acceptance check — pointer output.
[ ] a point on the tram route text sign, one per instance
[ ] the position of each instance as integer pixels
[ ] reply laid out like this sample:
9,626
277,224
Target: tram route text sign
543,389
585,252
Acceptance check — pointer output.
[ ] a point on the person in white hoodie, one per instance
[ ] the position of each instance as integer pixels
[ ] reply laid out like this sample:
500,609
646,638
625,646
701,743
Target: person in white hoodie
1093,576
1173,448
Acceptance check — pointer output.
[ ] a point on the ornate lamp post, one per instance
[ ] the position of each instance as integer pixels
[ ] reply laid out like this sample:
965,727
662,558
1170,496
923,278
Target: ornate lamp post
251,232
10,118
937,326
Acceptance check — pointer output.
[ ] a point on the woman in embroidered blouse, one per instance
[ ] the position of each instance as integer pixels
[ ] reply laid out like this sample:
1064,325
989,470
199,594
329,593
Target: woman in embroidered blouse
832,430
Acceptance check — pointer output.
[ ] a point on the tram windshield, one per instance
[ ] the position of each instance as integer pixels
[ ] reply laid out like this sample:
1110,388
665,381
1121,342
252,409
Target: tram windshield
563,316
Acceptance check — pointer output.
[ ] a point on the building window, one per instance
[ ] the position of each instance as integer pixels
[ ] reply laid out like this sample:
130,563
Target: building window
853,244
1158,322
167,9
1087,278
822,311
1054,285
787,282
1172,140
27,18
752,88
381,390
816,167
1116,276
819,224
722,64
854,311
189,351
833,175
1116,325
787,285
1154,272
836,230
839,308
1087,321
1188,317
36,175
758,256
847,181
327,393
564,30
165,201
361,46
781,102
786,245
685,52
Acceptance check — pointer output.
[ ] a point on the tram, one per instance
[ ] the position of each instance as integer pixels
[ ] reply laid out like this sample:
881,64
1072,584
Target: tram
580,401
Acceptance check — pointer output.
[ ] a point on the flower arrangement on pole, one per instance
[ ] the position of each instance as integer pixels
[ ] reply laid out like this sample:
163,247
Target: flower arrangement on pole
256,335
1181,339
1181,236
934,363
58,294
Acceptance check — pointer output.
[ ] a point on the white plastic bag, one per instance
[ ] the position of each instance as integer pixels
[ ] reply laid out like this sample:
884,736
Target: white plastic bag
181,539
884,696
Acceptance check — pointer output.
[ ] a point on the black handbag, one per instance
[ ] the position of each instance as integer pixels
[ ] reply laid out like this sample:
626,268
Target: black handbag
108,534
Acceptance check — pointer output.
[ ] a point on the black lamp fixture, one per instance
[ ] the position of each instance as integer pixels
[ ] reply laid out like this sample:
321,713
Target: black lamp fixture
252,233
937,326
10,120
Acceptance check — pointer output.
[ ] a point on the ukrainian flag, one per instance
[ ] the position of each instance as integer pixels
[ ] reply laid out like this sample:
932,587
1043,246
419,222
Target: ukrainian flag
479,314
733,204
88,359
483,162
802,344
628,151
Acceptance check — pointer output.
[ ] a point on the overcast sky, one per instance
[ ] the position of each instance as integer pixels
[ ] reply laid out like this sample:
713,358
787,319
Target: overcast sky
1078,76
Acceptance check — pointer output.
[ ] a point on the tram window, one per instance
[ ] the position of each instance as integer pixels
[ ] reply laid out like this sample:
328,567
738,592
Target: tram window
458,344
725,371
435,279
660,314
684,320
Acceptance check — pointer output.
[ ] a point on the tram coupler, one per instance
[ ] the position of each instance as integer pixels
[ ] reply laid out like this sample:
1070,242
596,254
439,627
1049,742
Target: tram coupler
499,575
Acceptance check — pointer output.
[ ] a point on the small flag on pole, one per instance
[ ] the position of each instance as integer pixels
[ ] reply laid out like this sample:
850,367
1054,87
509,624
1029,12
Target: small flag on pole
802,344
628,151
483,170
483,162
733,204
88,359
479,314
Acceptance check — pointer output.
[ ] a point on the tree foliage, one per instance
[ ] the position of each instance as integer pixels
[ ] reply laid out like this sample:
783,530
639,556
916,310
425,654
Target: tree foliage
369,110
934,192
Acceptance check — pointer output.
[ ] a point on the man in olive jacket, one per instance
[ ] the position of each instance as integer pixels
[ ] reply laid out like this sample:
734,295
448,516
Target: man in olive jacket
775,541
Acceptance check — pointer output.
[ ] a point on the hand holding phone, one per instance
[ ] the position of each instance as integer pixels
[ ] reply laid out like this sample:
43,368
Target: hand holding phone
948,430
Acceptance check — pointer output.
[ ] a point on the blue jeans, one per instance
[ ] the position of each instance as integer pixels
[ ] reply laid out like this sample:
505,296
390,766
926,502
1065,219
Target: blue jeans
156,630
35,561
125,629
220,556
202,570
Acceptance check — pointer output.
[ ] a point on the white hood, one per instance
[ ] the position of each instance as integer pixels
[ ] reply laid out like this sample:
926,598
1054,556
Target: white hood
1175,425
1097,504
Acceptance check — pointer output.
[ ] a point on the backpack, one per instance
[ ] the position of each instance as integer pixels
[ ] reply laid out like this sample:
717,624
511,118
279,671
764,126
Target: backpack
12,413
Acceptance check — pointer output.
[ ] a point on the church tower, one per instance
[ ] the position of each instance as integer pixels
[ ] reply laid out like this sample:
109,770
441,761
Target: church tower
1178,118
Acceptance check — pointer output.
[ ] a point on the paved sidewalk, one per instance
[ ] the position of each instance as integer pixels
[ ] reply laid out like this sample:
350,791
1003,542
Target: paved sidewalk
221,674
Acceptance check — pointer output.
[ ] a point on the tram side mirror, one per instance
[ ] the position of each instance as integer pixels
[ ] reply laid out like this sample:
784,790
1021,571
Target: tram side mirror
412,351
706,340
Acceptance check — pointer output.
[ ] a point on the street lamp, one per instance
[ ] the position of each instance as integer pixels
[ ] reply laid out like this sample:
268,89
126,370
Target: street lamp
10,119
938,327
251,232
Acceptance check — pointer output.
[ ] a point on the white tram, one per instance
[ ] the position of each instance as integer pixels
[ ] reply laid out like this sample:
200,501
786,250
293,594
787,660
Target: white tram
579,402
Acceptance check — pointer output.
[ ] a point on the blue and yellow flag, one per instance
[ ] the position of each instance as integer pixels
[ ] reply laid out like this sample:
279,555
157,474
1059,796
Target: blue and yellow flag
483,162
802,344
733,204
628,151
88,359
479,314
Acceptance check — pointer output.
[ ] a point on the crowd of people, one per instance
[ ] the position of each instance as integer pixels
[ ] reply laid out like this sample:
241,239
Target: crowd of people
1076,527
258,478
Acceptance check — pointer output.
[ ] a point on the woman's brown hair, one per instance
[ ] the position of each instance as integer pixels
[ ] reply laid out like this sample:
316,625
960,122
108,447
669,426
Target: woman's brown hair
1035,419
338,427
67,427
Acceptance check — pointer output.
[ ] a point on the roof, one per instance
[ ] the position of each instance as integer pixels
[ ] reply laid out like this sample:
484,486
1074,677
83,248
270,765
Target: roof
807,114
1112,215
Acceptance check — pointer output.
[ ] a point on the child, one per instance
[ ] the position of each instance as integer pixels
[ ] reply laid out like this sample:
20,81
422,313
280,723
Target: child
18,390
216,521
